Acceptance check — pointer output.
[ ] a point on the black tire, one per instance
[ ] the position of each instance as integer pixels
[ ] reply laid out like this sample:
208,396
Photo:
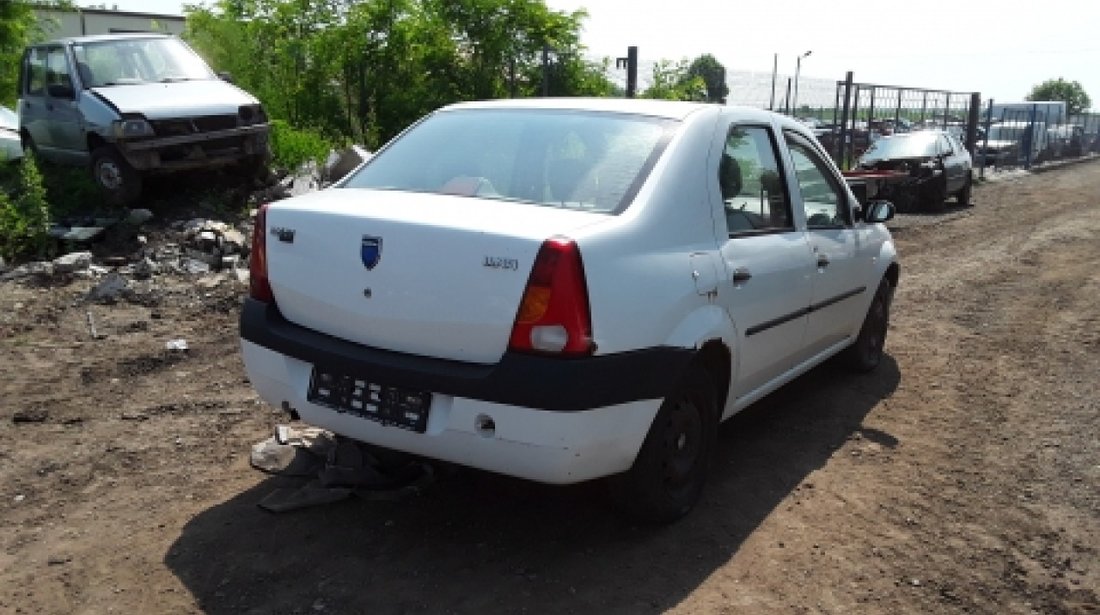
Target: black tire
865,353
115,177
29,148
963,195
668,475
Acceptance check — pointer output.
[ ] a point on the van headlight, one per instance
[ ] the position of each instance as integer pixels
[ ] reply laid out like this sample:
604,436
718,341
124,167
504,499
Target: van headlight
133,128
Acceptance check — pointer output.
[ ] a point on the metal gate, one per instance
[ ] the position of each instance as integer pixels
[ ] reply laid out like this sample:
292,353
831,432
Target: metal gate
866,111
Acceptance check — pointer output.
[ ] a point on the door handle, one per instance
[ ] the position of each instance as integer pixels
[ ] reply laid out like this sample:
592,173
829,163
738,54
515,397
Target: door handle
822,260
741,275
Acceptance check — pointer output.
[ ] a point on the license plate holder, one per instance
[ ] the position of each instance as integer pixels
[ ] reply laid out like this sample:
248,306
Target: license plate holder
357,395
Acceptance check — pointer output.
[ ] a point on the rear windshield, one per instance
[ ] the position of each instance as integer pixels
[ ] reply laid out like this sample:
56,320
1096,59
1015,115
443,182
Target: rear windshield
579,160
902,146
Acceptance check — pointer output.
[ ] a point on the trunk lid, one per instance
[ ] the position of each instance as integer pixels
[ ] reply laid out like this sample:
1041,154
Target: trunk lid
425,274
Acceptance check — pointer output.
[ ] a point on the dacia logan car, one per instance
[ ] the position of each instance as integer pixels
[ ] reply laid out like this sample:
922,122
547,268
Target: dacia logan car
567,289
130,105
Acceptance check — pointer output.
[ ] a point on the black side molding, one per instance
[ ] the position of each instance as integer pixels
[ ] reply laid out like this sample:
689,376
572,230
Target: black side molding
532,381
775,322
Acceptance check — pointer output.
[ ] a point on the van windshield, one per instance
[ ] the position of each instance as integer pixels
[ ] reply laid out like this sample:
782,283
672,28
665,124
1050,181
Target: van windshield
134,61
1007,133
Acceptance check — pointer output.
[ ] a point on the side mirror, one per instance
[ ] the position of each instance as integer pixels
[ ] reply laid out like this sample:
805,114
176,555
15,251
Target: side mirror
226,77
879,211
61,90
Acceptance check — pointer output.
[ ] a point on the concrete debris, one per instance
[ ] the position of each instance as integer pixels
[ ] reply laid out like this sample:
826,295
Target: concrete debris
144,269
342,162
341,467
177,345
109,289
36,268
137,217
74,261
77,234
193,266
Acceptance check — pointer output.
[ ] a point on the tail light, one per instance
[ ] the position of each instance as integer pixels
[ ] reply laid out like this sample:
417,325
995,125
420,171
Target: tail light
259,287
554,314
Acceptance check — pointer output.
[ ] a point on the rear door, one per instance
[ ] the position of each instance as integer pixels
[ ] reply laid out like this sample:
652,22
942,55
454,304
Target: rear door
839,277
767,263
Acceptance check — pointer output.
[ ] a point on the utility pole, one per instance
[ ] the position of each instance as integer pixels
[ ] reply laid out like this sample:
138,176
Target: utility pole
630,63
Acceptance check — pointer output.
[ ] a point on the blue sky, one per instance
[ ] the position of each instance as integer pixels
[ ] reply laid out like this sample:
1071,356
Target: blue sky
999,48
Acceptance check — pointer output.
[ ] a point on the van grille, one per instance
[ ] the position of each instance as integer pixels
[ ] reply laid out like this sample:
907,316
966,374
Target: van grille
194,125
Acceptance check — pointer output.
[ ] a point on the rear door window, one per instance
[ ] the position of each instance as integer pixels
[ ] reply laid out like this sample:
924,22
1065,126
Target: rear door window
751,183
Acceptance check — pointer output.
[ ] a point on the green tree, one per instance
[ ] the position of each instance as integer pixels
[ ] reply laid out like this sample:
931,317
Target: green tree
713,74
671,81
364,70
1059,89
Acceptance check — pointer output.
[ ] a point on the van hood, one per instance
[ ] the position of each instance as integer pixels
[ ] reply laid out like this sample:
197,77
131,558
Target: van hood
158,101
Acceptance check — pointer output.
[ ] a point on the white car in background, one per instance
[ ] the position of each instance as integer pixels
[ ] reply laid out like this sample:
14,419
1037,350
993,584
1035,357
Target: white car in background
11,147
563,289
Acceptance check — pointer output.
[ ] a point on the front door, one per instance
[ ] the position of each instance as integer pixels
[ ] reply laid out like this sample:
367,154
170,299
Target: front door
839,279
65,125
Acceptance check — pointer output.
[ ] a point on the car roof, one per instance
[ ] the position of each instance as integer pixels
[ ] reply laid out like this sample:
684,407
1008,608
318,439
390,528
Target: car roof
99,38
674,110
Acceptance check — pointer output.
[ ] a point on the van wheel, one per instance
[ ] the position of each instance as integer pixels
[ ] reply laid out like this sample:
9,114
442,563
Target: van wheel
118,180
865,353
667,477
29,148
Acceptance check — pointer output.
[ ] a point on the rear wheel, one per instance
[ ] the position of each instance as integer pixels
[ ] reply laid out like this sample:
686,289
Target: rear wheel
865,353
118,180
667,477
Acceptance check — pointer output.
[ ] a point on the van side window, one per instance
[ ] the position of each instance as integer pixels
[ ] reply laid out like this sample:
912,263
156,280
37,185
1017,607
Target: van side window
57,68
36,72
754,196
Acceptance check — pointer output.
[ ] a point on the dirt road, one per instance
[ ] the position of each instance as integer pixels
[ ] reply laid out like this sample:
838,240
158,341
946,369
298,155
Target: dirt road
961,477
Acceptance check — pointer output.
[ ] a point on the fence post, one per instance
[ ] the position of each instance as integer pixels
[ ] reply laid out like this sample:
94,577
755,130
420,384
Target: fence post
787,100
855,114
985,141
972,120
844,120
1030,135
631,71
946,109
897,110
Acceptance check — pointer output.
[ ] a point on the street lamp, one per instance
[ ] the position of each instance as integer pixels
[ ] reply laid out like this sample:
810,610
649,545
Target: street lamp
797,70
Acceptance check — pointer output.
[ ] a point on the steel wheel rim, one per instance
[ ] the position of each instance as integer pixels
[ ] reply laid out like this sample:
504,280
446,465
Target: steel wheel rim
109,174
681,444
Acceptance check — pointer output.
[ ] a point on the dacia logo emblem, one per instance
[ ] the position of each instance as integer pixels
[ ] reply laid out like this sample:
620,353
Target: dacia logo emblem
371,251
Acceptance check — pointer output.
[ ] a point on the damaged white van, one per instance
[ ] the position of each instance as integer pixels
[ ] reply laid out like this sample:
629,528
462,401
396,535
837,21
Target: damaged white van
131,105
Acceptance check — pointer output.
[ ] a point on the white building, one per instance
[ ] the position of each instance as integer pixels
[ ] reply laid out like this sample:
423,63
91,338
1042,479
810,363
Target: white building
60,23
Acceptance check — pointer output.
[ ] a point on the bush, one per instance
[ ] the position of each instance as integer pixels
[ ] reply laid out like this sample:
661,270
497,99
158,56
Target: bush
293,147
25,216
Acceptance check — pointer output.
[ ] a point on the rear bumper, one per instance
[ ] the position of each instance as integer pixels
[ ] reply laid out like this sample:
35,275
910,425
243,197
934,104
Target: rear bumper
556,420
545,446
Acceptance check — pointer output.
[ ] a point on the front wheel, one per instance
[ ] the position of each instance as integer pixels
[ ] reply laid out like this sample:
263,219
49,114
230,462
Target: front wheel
865,353
118,180
964,195
667,477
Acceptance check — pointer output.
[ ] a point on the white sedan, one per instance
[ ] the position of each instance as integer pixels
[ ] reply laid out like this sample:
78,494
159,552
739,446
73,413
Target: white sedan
11,147
563,290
